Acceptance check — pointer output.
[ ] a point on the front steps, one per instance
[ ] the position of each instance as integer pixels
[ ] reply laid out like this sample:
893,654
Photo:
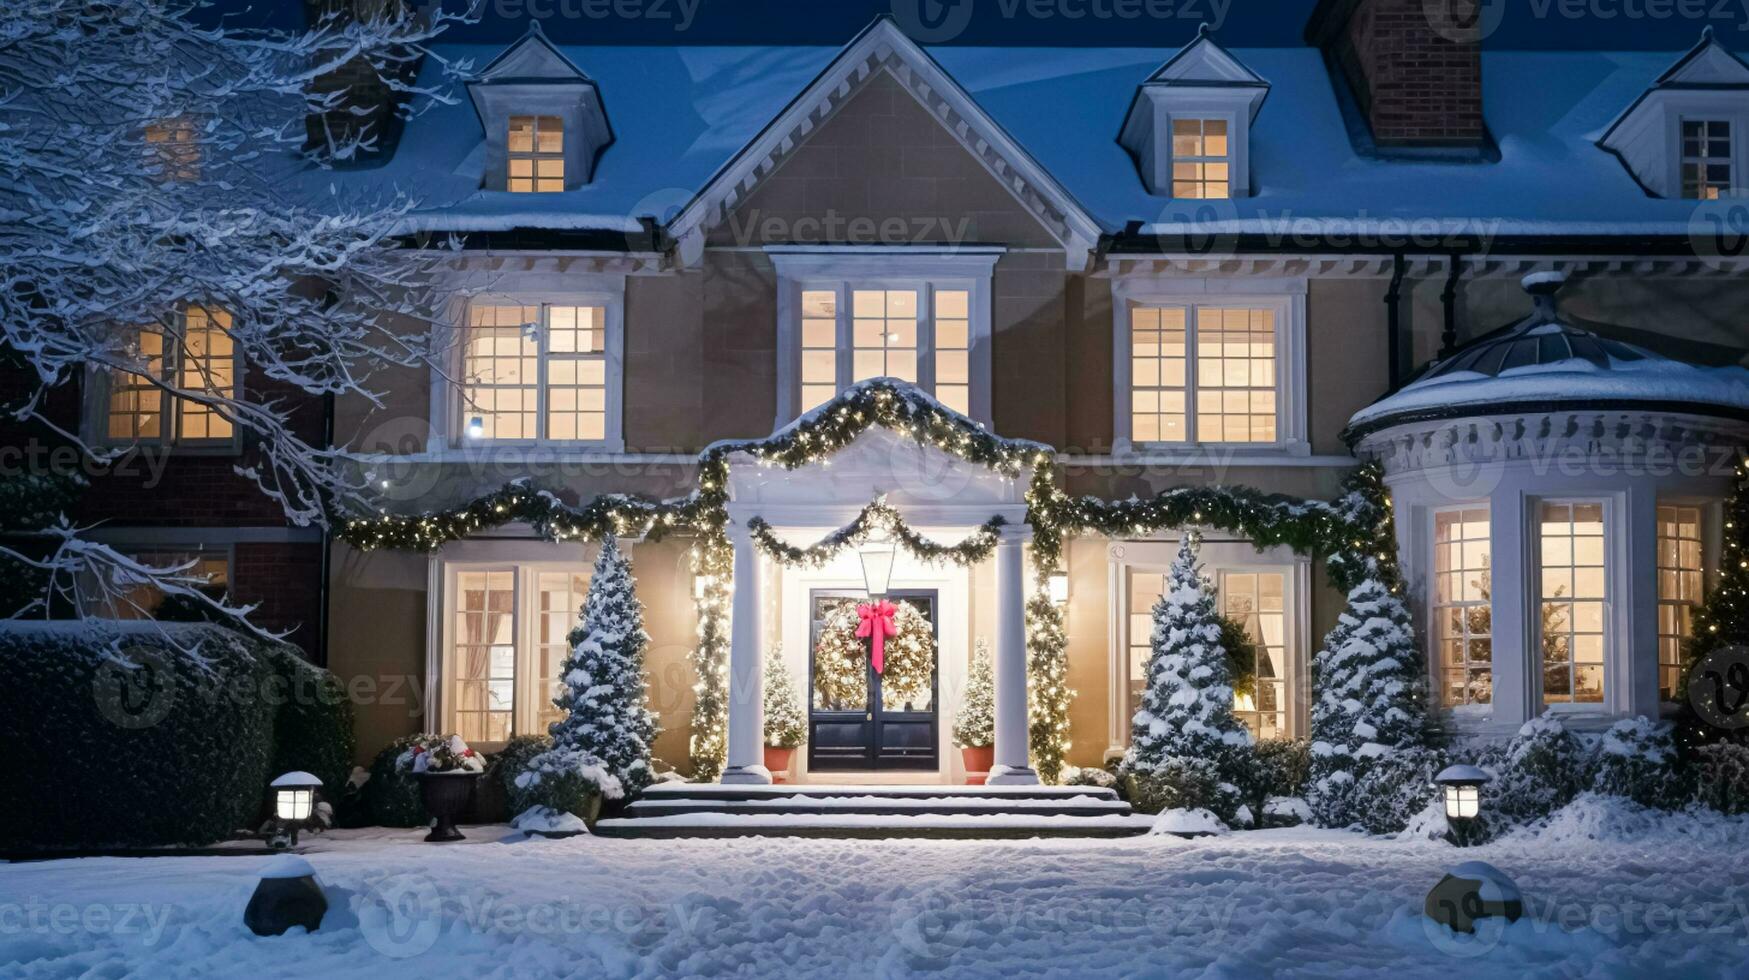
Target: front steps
672,810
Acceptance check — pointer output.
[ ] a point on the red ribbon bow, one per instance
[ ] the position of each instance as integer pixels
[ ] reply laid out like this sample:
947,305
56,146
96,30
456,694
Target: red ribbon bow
877,625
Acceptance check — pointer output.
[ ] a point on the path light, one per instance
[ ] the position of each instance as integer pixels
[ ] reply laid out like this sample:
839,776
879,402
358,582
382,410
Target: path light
287,896
294,803
1462,786
877,566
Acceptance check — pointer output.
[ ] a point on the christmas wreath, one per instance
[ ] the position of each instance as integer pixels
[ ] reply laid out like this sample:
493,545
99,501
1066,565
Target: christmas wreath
841,659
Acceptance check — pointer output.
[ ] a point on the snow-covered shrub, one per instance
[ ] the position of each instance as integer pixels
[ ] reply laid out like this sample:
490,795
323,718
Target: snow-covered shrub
974,725
391,792
563,778
1272,767
1369,704
786,726
1187,707
1637,759
606,715
1089,776
1722,776
1394,788
312,730
1183,783
132,733
1541,770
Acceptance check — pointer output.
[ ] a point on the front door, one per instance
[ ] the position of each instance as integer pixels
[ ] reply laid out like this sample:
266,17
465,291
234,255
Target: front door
859,720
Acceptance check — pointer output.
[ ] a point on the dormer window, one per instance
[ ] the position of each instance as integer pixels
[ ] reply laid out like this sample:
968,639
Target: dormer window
1706,159
1189,126
536,149
543,119
1201,168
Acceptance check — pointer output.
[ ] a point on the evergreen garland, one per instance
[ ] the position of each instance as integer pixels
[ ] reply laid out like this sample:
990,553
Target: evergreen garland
1047,687
1722,620
878,517
604,693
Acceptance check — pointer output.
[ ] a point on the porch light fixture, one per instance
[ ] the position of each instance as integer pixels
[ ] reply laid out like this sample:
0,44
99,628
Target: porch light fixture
877,566
294,803
700,583
476,428
1059,588
1462,786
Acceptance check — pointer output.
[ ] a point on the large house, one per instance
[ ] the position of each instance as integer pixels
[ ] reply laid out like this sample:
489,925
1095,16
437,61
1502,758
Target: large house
1498,274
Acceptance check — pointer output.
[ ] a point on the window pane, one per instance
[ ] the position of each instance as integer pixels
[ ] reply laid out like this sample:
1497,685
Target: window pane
1235,372
884,334
1573,568
559,600
501,370
536,154
1255,601
206,363
136,405
483,663
1159,342
576,373
1463,609
1680,578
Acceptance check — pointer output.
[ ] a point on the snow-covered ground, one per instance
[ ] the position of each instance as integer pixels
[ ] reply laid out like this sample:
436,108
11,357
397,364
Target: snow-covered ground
1607,896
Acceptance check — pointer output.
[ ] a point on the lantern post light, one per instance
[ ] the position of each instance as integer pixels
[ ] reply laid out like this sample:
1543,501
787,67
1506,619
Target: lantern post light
1462,787
877,566
294,804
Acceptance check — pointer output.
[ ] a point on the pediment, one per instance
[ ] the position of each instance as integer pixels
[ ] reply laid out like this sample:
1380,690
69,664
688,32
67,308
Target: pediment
1202,61
532,59
1708,64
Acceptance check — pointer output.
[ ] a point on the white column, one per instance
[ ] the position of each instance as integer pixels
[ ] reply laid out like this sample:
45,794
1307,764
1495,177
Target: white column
746,672
1634,654
1517,647
1010,768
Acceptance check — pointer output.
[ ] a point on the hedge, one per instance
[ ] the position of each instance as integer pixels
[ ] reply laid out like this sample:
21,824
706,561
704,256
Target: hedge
127,734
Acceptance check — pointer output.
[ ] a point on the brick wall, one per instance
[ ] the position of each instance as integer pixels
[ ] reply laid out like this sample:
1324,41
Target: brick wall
359,80
1416,84
284,581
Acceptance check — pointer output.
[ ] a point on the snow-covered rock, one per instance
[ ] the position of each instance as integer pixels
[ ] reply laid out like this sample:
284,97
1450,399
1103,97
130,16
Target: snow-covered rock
547,821
1181,823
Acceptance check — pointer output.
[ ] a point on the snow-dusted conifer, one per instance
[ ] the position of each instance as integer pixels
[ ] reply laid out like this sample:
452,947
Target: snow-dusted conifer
974,726
786,725
1367,704
1187,708
604,679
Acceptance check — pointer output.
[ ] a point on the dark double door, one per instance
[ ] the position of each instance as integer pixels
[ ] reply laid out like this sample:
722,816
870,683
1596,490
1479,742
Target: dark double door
871,729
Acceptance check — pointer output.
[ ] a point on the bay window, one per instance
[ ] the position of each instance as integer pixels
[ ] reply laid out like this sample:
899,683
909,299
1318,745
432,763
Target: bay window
1681,589
197,355
1574,599
1463,610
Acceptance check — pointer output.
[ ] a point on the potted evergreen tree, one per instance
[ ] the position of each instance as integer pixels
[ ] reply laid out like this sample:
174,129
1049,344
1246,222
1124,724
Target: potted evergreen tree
785,725
974,726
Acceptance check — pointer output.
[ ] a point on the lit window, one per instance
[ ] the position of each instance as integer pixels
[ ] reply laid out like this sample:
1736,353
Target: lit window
1258,602
1463,611
536,372
140,406
921,335
142,600
511,629
1200,167
173,150
1574,596
1680,591
1221,361
536,154
1706,159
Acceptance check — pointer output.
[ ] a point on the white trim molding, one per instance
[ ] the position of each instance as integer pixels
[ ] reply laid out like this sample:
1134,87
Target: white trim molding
923,268
884,47
1286,298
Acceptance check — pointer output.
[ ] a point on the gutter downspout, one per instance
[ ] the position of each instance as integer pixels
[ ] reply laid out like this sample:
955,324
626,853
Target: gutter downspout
1448,342
1393,320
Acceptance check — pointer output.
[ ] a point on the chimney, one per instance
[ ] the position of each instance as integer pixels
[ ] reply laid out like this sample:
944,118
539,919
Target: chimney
1413,66
365,88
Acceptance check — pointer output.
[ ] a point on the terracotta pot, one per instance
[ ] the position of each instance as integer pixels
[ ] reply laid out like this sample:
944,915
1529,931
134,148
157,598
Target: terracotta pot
778,760
446,796
978,760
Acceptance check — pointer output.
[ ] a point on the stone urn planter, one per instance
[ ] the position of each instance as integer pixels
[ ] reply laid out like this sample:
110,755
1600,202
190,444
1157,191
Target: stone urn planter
778,761
446,796
978,760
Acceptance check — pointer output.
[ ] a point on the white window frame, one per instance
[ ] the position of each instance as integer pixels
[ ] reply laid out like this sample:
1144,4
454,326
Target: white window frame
924,269
1618,538
527,559
1710,545
1232,119
449,410
1430,625
100,382
1286,298
1732,162
1219,557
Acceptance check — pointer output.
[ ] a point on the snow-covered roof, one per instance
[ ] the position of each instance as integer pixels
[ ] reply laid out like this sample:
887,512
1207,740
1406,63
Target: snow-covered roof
1546,361
681,113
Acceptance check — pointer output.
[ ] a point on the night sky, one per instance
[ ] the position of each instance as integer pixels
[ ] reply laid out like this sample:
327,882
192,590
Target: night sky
1671,25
